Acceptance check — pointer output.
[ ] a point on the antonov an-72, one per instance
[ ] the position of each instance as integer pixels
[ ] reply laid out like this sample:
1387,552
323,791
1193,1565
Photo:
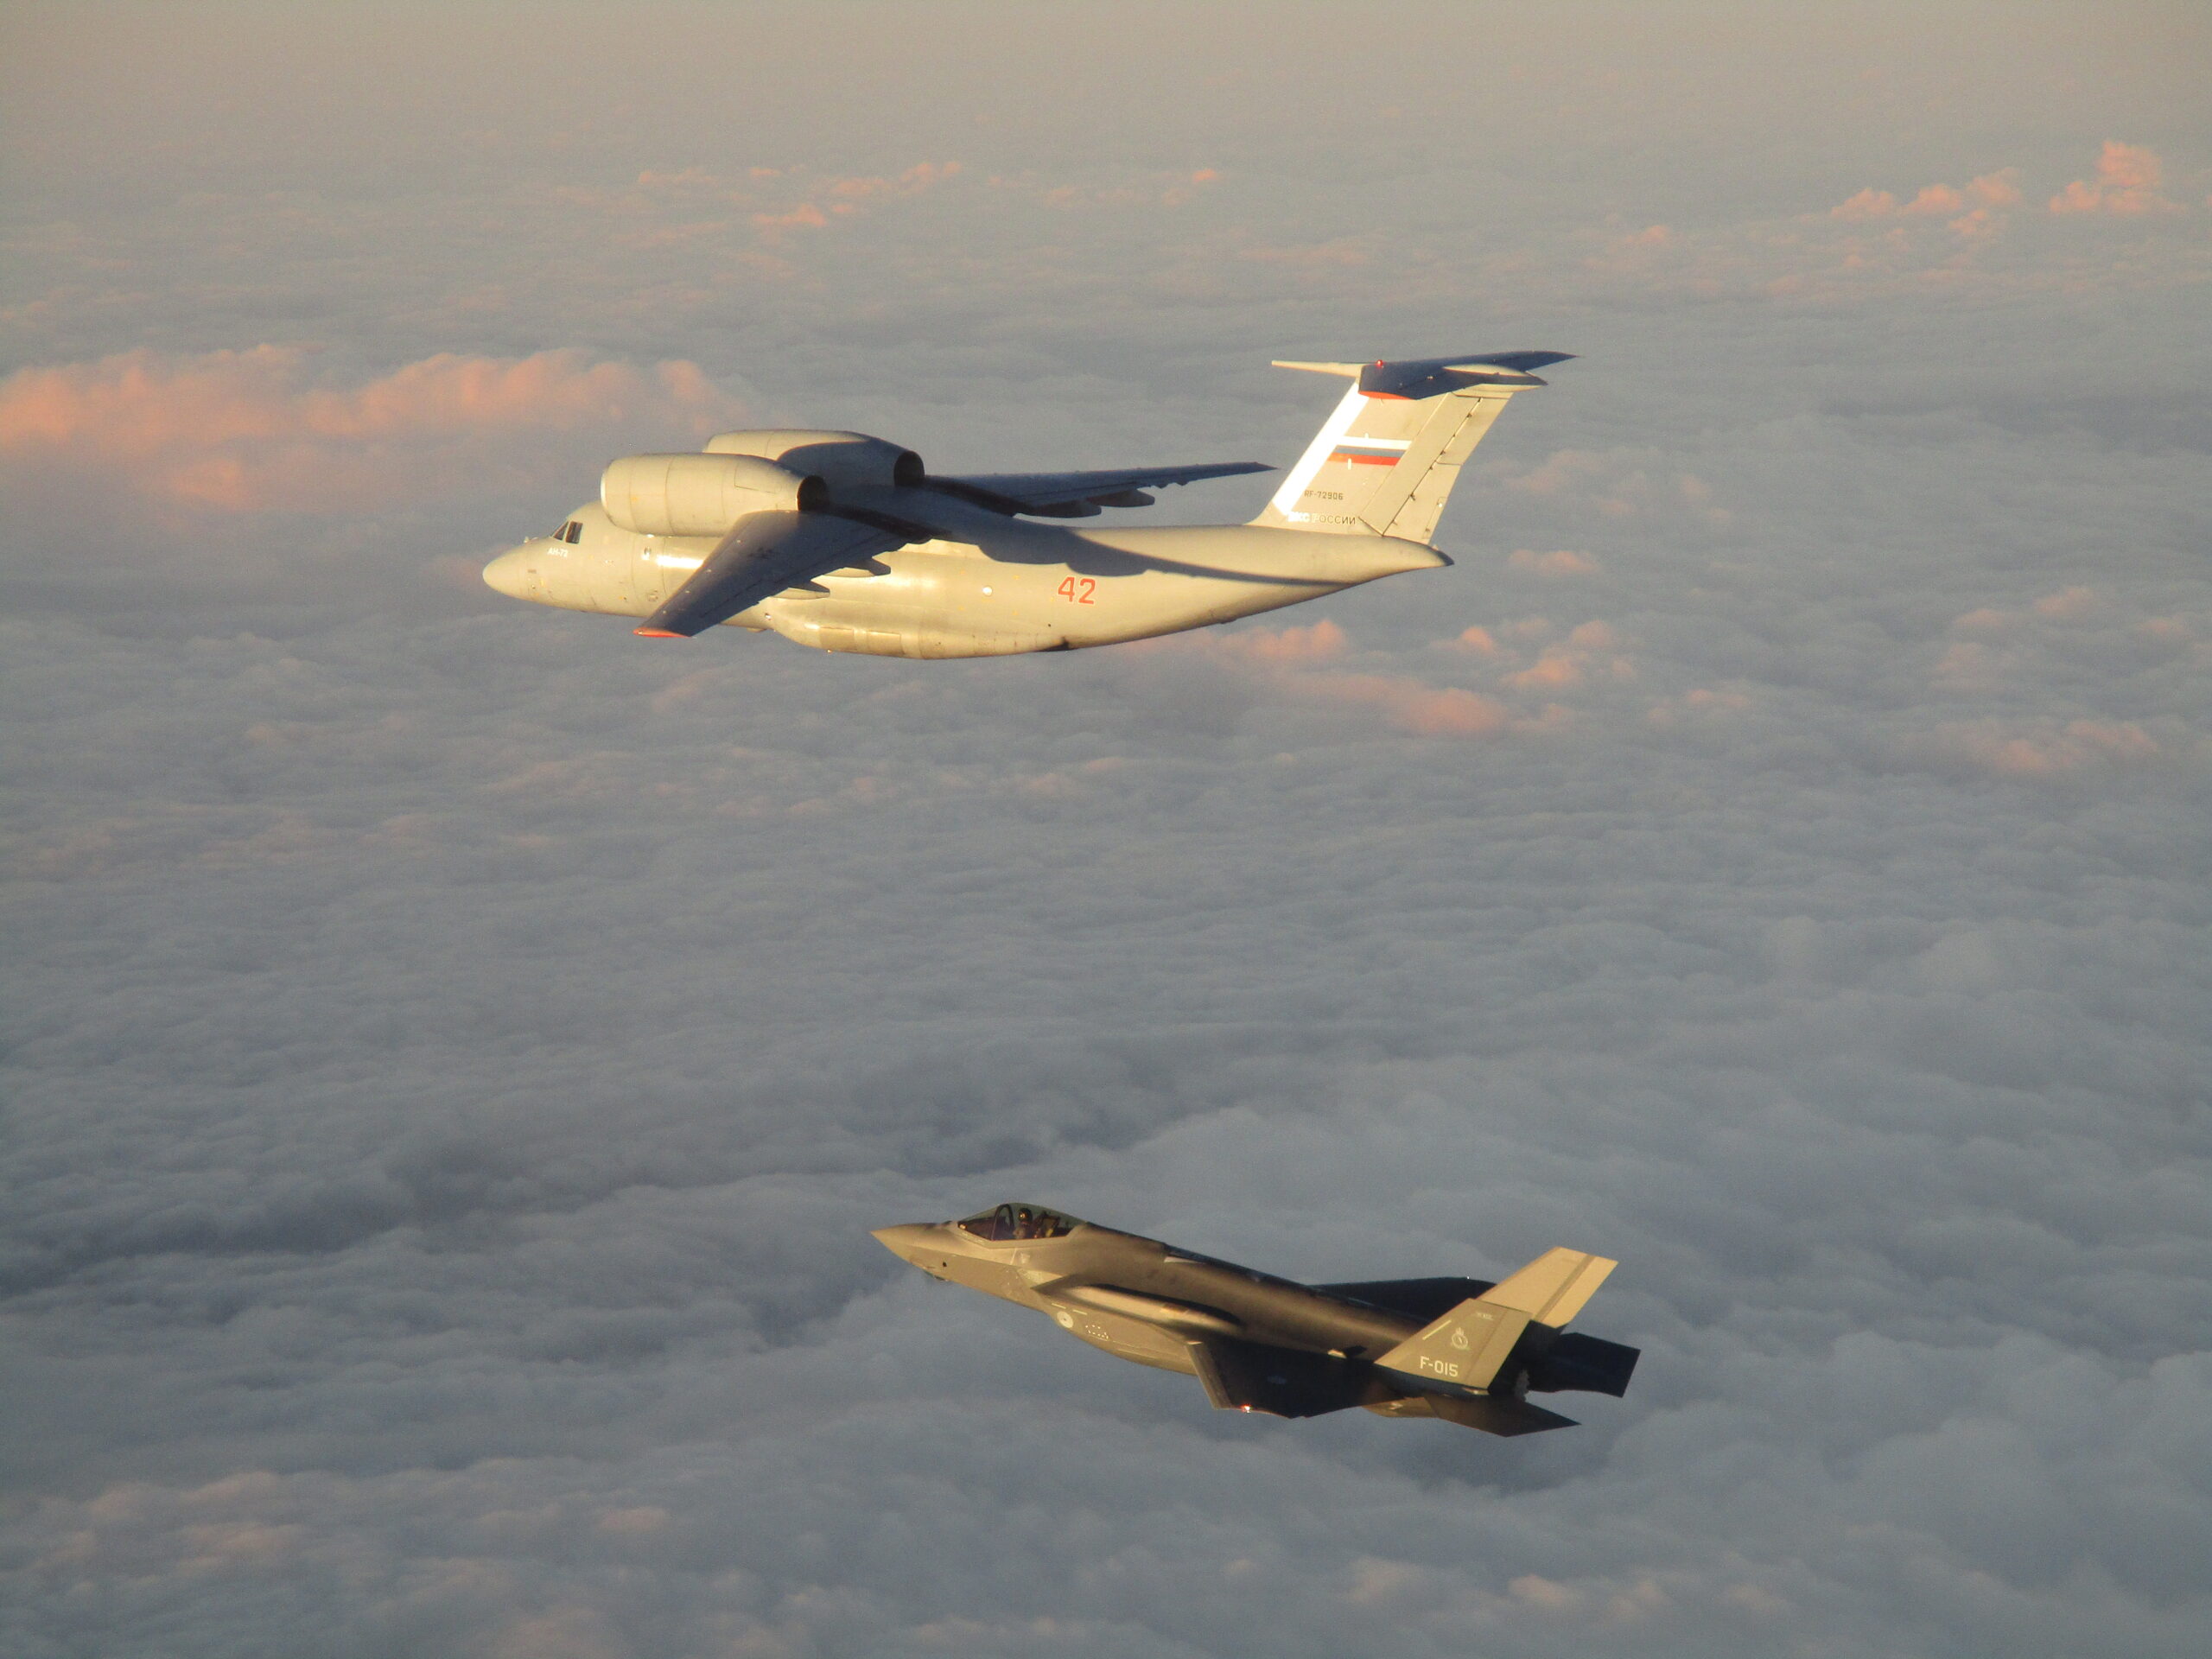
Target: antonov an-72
1459,1349
849,543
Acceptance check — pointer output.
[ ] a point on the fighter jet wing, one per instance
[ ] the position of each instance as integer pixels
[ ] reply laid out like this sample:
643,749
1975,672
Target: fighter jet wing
1282,1382
766,553
1079,495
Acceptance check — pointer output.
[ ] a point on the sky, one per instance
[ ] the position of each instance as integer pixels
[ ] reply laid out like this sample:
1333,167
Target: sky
456,1051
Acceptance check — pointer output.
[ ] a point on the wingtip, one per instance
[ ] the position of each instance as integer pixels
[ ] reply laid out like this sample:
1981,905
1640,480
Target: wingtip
658,633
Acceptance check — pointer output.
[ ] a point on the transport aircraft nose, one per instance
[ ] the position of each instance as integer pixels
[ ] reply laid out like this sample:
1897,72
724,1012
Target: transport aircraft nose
506,574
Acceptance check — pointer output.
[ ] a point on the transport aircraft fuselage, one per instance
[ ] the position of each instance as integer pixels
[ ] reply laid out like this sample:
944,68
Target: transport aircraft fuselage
848,542
983,585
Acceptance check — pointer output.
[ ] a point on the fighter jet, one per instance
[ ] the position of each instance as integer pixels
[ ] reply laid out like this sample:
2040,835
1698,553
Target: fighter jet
849,543
1459,1349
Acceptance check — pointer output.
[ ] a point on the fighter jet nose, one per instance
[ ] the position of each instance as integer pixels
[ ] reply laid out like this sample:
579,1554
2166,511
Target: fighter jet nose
902,1242
508,574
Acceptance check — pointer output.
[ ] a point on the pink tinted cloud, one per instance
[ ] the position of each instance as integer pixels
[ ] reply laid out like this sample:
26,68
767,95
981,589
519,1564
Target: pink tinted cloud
1556,669
805,217
1322,642
1990,190
1997,189
1414,706
1936,199
2128,177
2045,751
1588,650
245,431
1869,203
1559,471
842,197
2066,603
1293,663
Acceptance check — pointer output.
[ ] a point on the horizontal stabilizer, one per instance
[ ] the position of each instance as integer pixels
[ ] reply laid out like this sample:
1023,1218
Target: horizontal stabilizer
1282,1382
1503,1415
1431,377
1492,1414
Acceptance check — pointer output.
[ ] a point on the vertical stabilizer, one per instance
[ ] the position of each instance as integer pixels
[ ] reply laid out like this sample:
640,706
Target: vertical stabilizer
1553,1288
1466,1350
1386,461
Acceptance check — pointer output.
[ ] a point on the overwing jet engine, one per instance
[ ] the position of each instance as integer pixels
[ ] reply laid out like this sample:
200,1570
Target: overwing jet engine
849,543
1459,1349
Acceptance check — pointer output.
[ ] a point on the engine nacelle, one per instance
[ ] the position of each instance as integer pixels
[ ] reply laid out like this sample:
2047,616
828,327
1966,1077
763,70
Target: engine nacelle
702,495
845,461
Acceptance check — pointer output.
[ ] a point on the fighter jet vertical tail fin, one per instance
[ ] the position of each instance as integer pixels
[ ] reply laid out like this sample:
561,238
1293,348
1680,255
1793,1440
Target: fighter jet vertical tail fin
1466,1350
1554,1288
1386,460
1461,1353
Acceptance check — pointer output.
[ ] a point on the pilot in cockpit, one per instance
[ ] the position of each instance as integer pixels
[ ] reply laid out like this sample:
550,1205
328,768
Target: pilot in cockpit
1011,1221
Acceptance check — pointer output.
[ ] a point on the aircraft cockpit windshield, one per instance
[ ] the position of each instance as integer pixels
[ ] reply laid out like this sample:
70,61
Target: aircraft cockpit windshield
573,531
1019,1221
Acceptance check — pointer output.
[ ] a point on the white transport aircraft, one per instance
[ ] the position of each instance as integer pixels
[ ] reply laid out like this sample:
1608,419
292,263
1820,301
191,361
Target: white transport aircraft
848,542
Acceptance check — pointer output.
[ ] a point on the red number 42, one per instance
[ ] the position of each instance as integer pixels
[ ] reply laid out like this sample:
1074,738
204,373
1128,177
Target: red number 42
1078,589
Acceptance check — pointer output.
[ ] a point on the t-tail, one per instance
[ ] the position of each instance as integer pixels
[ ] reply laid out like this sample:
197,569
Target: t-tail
1387,459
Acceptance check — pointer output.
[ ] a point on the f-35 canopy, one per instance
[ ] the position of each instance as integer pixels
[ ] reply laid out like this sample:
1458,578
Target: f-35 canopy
1014,1221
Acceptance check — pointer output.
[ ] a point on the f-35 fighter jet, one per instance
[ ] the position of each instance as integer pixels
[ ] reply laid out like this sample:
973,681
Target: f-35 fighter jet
849,543
1457,1348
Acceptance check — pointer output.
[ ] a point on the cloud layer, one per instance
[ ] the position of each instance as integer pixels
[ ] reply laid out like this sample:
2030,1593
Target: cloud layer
454,1055
253,431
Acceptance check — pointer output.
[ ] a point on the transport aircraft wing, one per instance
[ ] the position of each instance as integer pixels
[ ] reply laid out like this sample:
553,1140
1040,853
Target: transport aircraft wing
1078,495
764,554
